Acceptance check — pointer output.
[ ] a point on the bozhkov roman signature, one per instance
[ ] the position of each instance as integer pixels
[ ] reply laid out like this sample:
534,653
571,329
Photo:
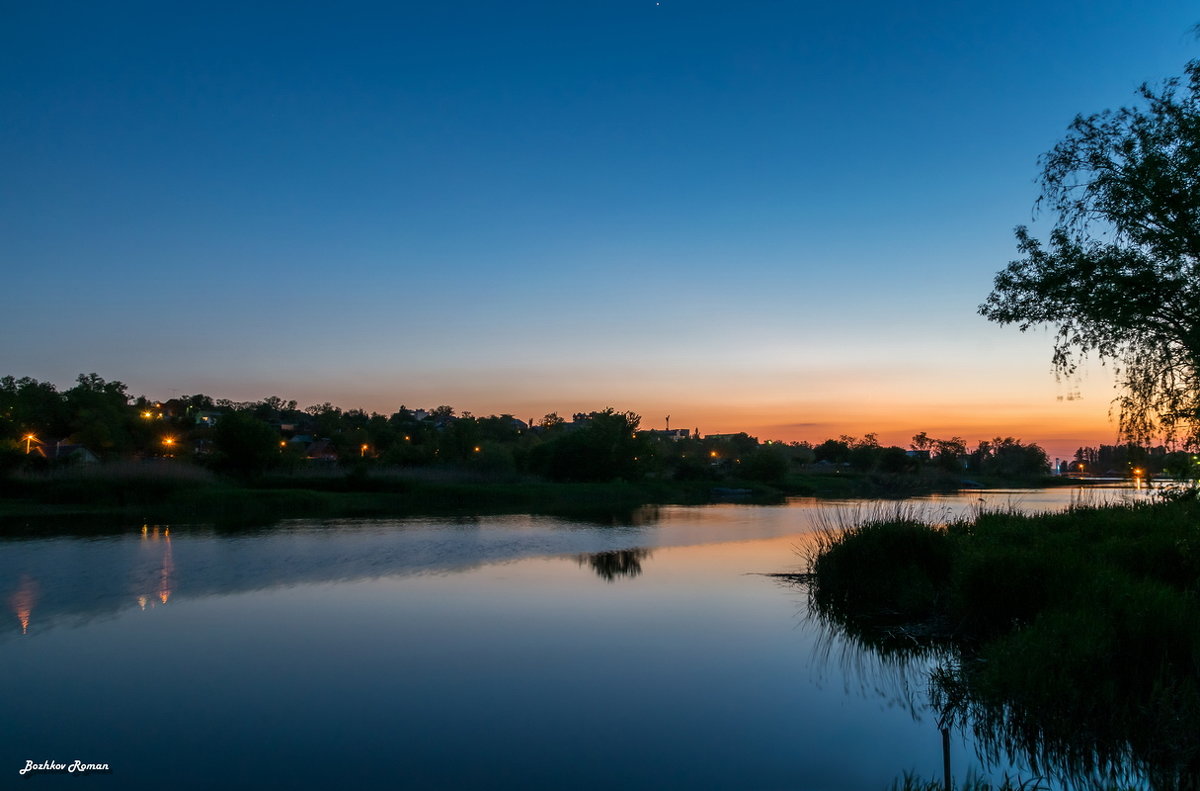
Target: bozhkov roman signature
53,767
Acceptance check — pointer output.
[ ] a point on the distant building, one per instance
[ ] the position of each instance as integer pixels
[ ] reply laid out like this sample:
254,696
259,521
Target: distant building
65,451
675,434
321,450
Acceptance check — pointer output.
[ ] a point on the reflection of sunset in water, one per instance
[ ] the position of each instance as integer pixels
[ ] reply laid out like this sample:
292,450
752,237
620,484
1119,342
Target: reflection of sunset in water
23,599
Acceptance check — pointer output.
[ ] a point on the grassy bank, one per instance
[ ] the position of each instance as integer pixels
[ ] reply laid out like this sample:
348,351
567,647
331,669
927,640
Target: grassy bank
876,485
180,494
1076,635
174,492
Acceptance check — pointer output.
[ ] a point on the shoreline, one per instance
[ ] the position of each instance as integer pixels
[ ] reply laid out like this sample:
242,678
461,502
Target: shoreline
162,495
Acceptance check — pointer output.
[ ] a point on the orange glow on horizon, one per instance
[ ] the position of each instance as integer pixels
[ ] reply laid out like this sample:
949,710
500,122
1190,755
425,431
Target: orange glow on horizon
797,400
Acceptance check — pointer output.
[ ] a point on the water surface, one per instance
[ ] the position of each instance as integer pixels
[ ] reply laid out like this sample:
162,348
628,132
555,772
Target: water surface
491,652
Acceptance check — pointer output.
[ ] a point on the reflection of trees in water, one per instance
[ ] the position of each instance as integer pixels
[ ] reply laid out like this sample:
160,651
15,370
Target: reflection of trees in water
1095,736
899,673
612,516
897,664
617,563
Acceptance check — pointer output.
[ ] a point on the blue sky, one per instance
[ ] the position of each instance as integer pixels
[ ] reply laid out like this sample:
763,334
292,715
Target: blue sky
770,216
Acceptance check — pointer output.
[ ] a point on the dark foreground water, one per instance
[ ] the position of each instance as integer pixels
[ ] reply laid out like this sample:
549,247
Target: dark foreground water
497,652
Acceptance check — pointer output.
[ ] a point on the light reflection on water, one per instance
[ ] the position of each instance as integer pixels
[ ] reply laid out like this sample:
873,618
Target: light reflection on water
487,652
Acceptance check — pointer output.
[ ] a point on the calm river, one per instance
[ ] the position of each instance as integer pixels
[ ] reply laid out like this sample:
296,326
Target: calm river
491,652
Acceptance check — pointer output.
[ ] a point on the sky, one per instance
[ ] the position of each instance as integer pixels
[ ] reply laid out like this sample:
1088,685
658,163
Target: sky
762,216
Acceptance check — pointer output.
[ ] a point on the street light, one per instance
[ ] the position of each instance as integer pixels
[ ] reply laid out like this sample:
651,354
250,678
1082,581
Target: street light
29,439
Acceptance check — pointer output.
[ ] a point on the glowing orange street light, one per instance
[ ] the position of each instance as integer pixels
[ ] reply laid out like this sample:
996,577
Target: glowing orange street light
363,451
29,439
478,449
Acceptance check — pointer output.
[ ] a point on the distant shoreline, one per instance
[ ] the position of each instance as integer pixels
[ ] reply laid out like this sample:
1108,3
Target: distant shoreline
130,494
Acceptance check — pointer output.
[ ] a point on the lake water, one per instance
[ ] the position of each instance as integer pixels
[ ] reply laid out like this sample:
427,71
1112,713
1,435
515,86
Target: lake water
491,652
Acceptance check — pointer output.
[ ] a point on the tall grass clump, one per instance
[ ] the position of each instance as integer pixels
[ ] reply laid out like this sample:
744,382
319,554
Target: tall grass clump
972,782
888,567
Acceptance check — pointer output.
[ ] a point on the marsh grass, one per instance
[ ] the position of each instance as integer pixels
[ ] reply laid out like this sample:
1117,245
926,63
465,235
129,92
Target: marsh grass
1077,634
972,782
975,782
888,563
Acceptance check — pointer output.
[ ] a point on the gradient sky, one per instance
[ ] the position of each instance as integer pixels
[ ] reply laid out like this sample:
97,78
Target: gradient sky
777,217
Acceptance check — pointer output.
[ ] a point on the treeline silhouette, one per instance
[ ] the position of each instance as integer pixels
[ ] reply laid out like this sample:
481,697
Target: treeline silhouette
98,419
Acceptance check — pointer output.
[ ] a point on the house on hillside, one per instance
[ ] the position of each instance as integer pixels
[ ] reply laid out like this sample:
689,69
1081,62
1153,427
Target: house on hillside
63,451
322,451
208,419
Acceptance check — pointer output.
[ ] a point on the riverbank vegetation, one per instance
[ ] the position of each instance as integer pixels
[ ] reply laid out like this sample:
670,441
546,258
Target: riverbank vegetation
1071,640
174,491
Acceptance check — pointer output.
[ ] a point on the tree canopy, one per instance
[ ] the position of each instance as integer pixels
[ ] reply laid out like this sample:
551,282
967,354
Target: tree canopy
1120,275
605,447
